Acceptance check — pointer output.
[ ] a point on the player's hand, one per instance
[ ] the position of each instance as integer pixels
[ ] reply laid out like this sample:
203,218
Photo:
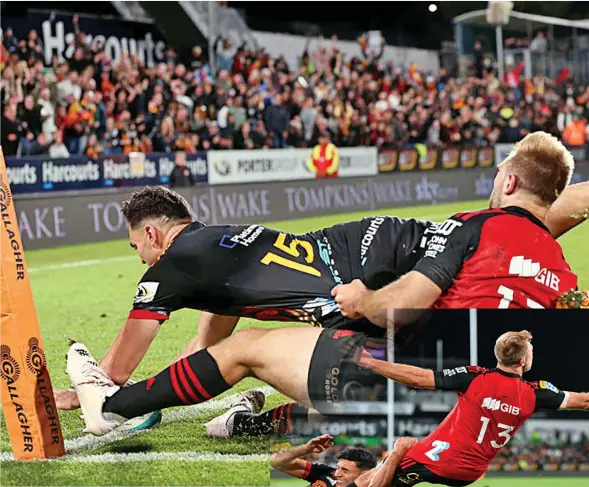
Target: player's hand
348,297
320,444
363,359
403,444
66,399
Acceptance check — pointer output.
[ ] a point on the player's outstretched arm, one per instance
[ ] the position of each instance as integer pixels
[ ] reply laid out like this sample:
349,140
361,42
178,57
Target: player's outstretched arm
575,401
384,475
551,398
122,357
569,210
412,291
405,374
134,340
291,461
129,348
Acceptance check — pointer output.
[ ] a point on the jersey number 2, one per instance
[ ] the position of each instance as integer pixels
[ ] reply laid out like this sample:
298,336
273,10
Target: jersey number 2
503,434
293,251
438,447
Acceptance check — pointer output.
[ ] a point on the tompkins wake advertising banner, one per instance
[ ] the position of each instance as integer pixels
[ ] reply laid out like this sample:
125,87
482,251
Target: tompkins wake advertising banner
57,32
81,217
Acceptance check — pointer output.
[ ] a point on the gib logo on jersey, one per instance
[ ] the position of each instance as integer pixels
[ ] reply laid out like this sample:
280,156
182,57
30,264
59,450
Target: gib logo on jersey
520,266
146,292
369,237
497,405
437,242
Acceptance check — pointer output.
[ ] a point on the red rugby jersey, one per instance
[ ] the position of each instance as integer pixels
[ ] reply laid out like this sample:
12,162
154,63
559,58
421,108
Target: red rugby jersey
500,258
492,406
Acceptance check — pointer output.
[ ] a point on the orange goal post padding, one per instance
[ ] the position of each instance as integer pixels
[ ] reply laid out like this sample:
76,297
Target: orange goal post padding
28,404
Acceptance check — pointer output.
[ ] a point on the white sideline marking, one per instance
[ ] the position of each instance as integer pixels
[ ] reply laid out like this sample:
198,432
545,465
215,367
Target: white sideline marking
183,456
88,442
87,263
81,263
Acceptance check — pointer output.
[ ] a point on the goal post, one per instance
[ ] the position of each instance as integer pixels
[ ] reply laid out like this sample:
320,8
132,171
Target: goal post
28,404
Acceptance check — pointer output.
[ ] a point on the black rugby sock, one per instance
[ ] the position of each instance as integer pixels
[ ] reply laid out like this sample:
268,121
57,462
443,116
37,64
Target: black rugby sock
278,421
191,380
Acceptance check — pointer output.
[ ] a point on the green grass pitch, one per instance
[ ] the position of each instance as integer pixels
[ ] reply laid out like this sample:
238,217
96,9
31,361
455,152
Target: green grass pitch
90,303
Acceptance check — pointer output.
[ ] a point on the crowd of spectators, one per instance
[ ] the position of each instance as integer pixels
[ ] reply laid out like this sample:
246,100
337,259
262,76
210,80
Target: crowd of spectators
572,457
89,105
530,456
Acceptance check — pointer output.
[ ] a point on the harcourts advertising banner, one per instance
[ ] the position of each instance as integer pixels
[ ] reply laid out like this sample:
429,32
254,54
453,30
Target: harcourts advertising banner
57,32
38,175
196,162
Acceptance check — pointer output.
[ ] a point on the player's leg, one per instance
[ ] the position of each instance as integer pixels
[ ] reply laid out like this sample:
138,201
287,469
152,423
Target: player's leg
278,421
333,378
279,357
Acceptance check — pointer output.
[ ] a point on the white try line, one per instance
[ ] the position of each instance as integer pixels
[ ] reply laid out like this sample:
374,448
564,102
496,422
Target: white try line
81,263
93,262
89,442
182,456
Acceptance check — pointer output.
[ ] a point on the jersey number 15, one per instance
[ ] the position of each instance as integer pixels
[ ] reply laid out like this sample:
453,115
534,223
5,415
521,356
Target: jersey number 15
293,250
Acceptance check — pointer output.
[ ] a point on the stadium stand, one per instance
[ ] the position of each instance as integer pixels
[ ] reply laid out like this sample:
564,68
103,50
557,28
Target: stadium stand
86,105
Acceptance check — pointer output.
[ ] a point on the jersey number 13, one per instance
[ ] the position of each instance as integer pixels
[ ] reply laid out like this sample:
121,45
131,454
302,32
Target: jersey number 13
505,434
